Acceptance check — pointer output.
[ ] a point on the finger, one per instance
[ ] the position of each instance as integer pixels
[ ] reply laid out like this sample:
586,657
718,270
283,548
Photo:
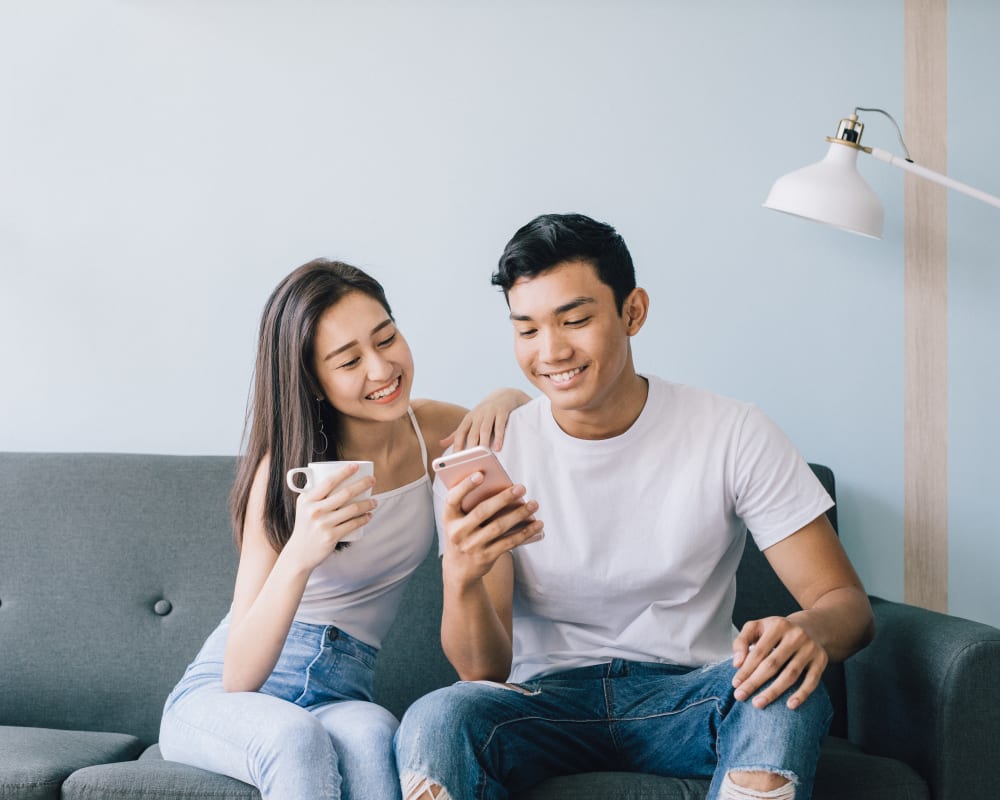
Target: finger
497,507
486,432
349,526
486,507
533,531
760,638
341,514
341,495
499,428
323,488
447,440
460,437
743,642
780,670
774,681
475,536
505,532
762,663
809,683
510,520
453,499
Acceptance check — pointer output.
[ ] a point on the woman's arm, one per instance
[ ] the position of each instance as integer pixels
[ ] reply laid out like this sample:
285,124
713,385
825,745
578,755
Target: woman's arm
446,424
269,585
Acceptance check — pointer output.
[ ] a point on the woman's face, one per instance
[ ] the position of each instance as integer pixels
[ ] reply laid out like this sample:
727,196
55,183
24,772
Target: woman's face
361,360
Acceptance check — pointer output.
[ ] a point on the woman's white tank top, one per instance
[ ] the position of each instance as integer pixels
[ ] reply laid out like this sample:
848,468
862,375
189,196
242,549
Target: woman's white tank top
359,588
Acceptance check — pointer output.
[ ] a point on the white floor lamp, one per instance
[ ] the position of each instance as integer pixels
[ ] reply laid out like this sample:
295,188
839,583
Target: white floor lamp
832,190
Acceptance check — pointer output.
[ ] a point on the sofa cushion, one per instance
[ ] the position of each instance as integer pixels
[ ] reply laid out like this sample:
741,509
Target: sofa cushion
844,773
36,761
152,778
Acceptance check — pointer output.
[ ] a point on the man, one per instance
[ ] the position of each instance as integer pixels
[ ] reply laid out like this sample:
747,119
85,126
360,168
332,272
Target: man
613,622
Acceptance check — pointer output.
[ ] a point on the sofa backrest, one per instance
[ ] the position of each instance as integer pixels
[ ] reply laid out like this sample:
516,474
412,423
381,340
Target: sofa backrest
114,568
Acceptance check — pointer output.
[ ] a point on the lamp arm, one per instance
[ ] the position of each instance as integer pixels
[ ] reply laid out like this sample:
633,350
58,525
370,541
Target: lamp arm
937,177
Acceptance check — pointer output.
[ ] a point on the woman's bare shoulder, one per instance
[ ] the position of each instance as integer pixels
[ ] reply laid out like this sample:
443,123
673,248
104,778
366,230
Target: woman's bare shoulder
437,421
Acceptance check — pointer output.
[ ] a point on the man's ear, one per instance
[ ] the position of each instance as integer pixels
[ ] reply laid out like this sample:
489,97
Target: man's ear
635,309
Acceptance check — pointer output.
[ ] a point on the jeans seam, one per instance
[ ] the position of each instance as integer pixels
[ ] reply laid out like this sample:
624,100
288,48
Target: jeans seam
308,675
676,711
532,718
609,701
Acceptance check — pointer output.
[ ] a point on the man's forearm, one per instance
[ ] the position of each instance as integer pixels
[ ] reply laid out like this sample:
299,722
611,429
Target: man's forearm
472,635
841,621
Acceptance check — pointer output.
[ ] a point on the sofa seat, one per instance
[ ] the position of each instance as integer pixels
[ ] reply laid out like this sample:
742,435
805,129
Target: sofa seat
152,778
36,761
844,773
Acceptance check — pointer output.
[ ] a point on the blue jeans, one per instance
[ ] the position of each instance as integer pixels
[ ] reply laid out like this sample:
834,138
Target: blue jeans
485,740
310,733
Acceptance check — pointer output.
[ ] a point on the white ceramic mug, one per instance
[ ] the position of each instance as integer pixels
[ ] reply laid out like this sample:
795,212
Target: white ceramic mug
318,471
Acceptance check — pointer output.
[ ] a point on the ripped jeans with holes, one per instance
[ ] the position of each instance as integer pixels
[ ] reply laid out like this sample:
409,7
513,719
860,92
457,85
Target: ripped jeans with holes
487,741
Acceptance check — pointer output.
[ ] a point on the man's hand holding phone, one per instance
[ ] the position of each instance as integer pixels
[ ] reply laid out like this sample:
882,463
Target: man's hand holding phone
485,514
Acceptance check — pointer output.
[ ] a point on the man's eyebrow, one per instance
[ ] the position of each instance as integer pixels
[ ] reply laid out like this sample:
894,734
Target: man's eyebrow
565,307
354,342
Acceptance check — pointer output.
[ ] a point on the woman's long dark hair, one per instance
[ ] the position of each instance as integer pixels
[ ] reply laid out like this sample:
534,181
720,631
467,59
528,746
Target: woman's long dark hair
282,416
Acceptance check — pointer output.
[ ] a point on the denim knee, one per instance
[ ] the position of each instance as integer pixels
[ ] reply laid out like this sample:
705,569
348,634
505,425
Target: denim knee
359,726
298,738
774,739
431,721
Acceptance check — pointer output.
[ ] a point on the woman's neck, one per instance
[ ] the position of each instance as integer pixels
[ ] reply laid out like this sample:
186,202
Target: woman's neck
366,440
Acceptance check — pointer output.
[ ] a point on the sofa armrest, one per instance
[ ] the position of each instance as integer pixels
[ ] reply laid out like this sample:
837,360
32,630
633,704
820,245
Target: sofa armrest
927,691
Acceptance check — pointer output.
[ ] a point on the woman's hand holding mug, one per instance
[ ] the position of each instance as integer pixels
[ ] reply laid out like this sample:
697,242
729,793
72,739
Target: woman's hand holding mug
331,507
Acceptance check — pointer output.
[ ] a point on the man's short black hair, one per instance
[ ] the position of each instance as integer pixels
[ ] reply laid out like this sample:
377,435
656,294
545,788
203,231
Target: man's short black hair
551,239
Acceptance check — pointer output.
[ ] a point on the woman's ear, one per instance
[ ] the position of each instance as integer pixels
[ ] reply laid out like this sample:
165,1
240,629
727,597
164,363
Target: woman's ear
635,309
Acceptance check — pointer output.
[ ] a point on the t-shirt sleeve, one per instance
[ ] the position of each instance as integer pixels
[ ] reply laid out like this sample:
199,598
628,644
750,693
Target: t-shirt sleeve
776,492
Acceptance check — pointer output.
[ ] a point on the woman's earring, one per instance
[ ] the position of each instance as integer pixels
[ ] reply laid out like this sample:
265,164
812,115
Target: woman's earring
321,432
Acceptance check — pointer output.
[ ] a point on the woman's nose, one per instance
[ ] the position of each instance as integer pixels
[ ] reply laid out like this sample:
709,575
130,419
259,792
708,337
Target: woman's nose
379,368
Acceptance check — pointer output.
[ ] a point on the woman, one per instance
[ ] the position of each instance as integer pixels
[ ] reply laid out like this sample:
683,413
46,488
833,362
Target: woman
280,694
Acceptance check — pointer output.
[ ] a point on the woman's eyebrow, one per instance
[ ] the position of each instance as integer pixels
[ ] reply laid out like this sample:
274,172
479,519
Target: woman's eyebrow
354,342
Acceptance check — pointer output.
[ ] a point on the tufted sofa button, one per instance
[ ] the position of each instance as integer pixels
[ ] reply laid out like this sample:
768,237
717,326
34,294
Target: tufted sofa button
163,607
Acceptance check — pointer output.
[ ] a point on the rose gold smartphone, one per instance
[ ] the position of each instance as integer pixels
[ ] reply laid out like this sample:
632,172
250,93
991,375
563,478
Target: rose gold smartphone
453,467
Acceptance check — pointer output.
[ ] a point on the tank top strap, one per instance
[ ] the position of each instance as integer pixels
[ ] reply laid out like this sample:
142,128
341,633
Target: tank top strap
420,438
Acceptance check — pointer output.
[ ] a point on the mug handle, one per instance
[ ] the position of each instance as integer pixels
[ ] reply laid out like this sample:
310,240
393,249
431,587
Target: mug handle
290,475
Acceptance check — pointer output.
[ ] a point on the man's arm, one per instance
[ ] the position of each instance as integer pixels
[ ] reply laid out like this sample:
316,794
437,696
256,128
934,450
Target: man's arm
478,574
835,621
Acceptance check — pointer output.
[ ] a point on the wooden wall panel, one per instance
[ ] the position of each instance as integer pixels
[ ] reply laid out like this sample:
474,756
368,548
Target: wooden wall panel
925,374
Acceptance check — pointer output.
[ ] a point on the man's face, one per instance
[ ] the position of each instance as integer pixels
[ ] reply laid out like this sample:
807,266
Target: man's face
569,338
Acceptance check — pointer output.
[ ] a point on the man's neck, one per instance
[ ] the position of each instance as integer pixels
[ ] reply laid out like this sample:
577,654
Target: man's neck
615,414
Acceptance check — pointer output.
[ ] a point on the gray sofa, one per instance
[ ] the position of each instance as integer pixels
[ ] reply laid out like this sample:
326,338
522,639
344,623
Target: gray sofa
113,568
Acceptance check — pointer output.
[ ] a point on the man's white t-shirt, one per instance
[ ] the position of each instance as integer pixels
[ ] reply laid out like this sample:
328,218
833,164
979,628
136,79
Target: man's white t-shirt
644,531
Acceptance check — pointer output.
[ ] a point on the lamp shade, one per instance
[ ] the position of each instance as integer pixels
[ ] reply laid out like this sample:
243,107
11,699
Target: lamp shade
830,191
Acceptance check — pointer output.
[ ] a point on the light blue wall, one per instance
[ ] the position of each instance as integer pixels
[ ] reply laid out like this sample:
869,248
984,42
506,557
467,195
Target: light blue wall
974,311
164,164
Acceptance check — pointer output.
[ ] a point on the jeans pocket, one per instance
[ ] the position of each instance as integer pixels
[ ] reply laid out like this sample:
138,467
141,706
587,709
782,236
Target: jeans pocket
289,680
